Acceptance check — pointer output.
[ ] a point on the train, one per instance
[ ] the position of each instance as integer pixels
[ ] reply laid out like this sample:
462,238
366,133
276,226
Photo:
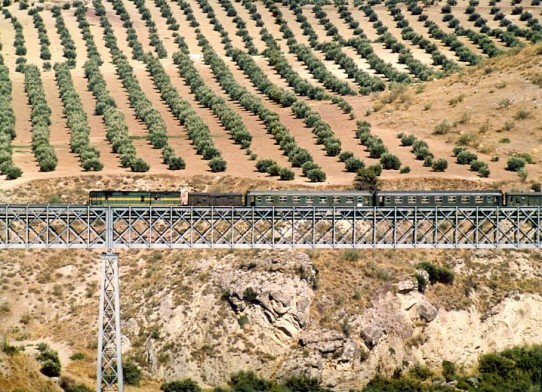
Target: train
314,198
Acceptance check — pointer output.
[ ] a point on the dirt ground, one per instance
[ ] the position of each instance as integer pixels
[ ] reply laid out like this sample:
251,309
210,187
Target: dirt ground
418,114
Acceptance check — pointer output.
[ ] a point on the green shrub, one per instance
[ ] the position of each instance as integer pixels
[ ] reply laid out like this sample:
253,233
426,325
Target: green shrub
405,170
93,164
528,158
515,163
242,320
515,369
420,372
442,128
477,165
457,150
316,175
352,164
437,273
138,165
217,164
250,295
273,170
50,368
440,165
428,161
186,385
308,166
376,168
69,385
484,171
390,161
12,172
9,349
50,362
381,384
132,374
448,370
286,174
366,179
176,163
466,157
303,384
333,148
345,155
263,164
522,115
77,356
408,140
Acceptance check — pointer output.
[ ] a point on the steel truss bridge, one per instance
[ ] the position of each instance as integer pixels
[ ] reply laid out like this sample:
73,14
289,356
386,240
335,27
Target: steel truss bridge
252,227
113,228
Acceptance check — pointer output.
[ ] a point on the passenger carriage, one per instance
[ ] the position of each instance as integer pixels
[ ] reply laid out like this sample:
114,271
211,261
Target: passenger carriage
439,198
309,198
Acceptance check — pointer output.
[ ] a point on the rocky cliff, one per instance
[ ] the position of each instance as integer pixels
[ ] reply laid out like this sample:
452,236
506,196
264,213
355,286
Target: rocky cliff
264,311
340,316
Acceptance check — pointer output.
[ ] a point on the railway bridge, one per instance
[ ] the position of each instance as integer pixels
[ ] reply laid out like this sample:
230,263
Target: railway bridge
114,228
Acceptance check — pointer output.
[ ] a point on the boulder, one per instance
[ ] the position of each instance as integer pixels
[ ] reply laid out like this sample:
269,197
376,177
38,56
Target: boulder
351,351
406,286
427,311
371,335
325,341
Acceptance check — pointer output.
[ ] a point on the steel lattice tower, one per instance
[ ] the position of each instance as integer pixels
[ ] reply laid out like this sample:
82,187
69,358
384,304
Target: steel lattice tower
109,370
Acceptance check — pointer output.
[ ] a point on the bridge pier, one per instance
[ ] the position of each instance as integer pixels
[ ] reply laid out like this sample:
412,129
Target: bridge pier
109,368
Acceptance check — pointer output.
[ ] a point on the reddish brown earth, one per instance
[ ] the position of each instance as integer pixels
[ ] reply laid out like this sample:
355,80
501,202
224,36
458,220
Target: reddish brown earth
481,98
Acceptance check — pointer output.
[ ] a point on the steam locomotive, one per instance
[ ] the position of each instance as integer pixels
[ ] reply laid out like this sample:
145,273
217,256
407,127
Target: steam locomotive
310,198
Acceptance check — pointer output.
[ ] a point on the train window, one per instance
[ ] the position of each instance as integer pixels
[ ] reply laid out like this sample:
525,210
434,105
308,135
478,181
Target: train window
310,199
296,199
156,197
283,199
269,199
387,199
142,199
492,199
452,199
399,199
411,199
349,199
336,200
425,199
465,199
258,199
438,199
323,199
478,199
106,197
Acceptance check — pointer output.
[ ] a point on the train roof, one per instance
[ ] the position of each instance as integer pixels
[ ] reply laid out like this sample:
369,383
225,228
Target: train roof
439,193
538,194
109,191
309,192
215,194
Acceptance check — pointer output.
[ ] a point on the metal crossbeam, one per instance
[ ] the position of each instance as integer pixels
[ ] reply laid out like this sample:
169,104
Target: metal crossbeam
286,227
109,372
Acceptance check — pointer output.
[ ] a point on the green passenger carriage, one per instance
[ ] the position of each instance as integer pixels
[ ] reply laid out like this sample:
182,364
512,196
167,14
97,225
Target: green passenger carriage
309,198
439,198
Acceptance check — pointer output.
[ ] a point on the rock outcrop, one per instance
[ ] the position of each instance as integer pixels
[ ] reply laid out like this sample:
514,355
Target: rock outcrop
222,315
